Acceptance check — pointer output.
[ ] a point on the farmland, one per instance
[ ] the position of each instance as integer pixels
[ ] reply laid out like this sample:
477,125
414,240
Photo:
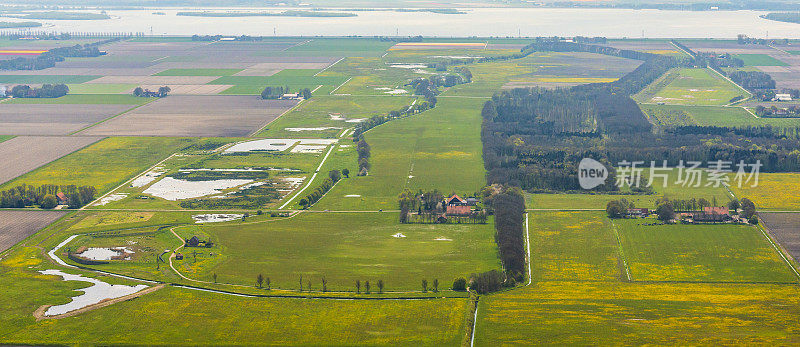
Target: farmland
691,87
578,277
103,165
15,226
28,153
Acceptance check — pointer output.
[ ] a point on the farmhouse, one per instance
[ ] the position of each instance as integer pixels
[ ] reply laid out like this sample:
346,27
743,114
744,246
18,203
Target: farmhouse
456,206
637,212
711,215
291,96
196,242
783,97
62,198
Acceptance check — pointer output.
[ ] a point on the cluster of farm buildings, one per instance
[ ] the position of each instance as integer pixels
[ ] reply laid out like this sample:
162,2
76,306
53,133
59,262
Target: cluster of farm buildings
706,215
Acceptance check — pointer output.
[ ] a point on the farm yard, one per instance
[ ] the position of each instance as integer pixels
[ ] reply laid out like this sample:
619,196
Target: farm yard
240,208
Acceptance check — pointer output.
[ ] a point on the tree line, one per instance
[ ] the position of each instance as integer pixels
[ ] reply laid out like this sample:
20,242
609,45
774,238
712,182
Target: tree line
273,93
364,152
333,177
50,58
162,92
44,196
46,91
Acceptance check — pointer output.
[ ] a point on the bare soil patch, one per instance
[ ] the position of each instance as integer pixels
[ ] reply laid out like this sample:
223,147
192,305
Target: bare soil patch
16,226
186,115
785,228
24,119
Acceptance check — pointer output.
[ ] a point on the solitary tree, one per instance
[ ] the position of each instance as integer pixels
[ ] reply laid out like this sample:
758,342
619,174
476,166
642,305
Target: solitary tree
748,208
358,287
267,283
435,285
460,284
346,172
215,277
138,92
380,286
260,280
163,91
301,283
324,285
49,201
335,175
424,286
366,287
665,212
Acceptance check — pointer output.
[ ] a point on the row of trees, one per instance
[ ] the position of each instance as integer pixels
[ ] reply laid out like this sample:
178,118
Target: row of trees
46,91
405,111
45,196
272,93
50,58
752,80
162,91
333,177
364,152
509,223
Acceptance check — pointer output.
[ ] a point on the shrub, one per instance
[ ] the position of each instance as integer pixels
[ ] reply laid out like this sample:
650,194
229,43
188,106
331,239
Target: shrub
460,285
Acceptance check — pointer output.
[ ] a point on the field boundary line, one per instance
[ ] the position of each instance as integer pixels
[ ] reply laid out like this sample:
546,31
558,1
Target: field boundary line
296,45
329,66
474,322
337,88
750,95
621,252
317,88
779,50
528,245
310,181
276,118
126,182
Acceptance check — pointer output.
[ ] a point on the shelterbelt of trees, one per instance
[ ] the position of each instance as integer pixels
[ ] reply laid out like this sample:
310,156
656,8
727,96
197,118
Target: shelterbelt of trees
50,58
534,138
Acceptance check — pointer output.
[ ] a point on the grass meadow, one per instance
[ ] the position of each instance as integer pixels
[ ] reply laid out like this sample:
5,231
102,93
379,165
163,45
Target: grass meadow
703,253
676,115
437,149
690,87
343,248
775,191
579,295
760,60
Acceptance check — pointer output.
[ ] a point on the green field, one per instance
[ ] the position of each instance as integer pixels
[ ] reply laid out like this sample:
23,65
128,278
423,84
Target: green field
674,115
331,111
702,253
105,164
760,60
37,79
106,99
343,248
775,191
439,148
100,88
690,87
5,137
578,295
198,72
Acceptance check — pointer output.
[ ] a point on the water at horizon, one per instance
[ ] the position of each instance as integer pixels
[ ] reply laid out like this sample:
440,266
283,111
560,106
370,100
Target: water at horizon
613,23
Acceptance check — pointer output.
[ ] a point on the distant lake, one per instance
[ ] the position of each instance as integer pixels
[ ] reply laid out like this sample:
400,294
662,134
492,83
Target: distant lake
616,23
